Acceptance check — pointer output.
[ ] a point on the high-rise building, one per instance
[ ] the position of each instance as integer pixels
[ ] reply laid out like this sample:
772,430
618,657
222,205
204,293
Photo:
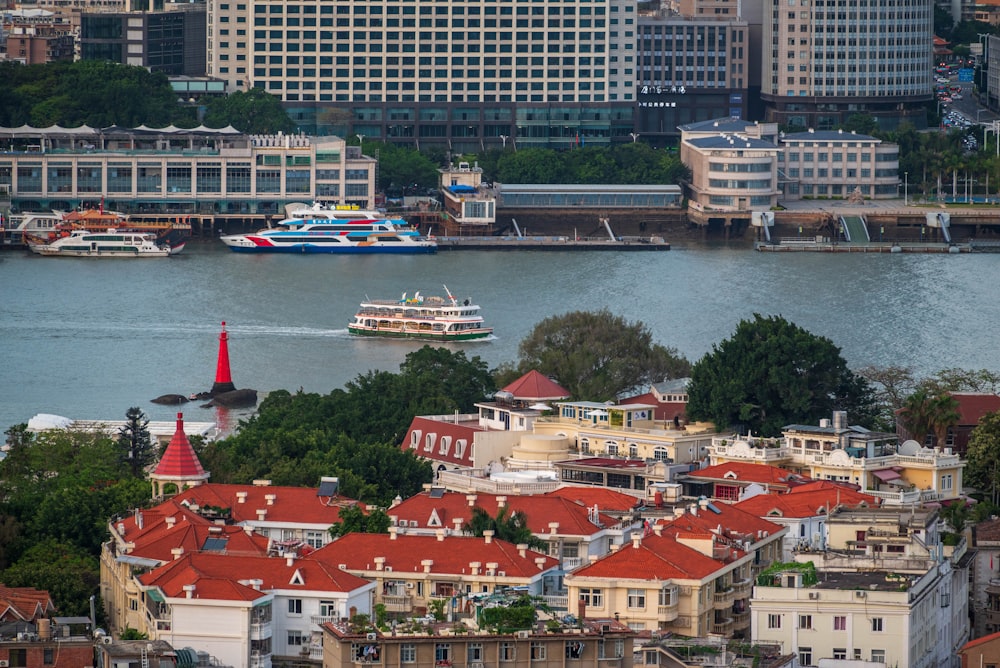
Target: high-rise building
446,72
170,40
825,60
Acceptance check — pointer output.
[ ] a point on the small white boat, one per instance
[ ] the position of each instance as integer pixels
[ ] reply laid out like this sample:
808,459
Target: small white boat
429,318
110,243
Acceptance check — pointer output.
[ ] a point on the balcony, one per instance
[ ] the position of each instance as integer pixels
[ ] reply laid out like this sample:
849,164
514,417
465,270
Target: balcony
667,613
398,603
556,602
723,627
723,600
320,620
992,616
741,620
742,589
570,563
258,660
260,630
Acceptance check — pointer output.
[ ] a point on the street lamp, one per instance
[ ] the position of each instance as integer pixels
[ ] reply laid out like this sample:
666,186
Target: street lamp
906,188
634,136
503,138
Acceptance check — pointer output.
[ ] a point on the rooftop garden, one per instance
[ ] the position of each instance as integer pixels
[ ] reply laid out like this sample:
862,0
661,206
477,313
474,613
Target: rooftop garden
772,576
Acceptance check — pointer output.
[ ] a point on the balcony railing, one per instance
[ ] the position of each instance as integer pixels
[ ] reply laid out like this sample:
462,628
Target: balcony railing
557,602
723,600
723,628
569,563
260,660
741,620
319,620
667,613
400,603
742,589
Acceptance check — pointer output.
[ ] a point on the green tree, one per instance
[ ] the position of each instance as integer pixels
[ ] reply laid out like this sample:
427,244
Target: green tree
401,168
253,112
135,445
596,355
509,526
772,373
979,381
69,573
982,469
924,413
355,520
890,387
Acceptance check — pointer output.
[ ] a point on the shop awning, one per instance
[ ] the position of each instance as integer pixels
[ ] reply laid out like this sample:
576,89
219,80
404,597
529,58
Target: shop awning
885,475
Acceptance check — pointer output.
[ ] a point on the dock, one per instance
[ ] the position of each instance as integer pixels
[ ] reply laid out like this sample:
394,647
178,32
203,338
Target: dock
551,243
795,245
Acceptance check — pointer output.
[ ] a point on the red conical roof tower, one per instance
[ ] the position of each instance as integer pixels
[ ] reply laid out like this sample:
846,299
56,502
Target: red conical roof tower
223,381
179,467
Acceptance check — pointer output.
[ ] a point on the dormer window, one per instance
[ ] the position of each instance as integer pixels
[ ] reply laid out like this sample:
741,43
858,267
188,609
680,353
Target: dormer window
445,445
460,445
429,442
415,438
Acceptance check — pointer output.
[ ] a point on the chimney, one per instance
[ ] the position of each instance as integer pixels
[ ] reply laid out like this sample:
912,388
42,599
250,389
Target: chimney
471,499
138,519
658,529
289,558
491,567
261,514
540,562
636,541
501,502
393,532
379,563
189,591
474,566
260,482
583,609
440,534
553,527
614,547
270,498
458,524
488,536
522,550
247,529
241,497
170,521
427,563
177,552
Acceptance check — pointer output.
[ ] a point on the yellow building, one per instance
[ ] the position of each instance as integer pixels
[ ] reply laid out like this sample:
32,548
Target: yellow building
833,450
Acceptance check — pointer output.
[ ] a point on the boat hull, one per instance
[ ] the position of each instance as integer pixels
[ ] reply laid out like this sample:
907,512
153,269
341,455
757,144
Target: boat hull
470,335
53,252
333,249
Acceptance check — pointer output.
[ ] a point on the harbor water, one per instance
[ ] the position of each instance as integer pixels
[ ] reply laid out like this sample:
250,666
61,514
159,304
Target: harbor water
87,339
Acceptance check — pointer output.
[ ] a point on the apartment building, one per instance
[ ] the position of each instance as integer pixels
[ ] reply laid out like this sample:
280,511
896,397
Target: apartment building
837,164
179,171
834,450
32,39
885,590
456,74
826,60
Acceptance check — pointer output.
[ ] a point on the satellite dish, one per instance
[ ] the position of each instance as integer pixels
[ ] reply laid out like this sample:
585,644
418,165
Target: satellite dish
909,447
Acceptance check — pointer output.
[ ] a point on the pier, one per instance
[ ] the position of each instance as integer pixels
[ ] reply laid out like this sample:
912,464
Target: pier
552,243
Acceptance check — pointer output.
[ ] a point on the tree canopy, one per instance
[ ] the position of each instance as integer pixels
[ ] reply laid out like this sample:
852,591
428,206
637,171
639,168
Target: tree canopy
354,519
253,112
982,469
622,163
926,413
354,433
772,373
595,355
509,526
135,445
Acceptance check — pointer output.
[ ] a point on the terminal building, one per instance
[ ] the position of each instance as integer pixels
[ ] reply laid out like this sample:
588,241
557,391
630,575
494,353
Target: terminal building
178,171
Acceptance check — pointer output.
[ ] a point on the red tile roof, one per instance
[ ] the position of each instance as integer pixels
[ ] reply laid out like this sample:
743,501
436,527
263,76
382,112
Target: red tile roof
222,577
179,459
603,497
973,406
656,558
452,555
804,504
540,510
534,386
301,505
437,430
980,641
747,472
24,603
664,410
734,523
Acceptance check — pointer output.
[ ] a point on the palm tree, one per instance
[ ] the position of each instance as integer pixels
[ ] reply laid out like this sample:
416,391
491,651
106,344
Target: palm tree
924,413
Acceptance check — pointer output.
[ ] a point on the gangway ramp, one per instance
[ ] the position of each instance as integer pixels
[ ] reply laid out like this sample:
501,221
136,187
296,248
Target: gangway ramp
855,229
942,221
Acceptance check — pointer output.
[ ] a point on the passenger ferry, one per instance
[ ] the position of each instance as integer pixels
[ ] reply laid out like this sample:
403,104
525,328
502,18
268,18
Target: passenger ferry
419,317
42,228
111,243
319,229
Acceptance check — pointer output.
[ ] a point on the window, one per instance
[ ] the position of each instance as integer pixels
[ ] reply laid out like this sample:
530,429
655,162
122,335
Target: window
507,652
805,656
295,606
637,599
805,621
878,655
839,653
774,621
442,653
877,625
48,656
295,638
594,598
840,623
574,649
315,538
538,651
946,482
328,609
408,653
474,652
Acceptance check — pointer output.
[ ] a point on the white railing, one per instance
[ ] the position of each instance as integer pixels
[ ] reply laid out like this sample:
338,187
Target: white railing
459,482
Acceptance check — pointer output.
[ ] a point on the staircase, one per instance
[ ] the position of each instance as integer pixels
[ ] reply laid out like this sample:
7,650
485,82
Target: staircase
855,229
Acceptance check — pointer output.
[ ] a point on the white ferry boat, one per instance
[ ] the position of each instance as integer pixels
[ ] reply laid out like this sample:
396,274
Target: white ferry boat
111,243
419,317
320,229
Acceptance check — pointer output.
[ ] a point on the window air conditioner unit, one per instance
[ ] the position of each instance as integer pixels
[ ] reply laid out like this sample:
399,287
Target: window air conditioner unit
372,636
523,634
859,594
409,585
4,663
814,595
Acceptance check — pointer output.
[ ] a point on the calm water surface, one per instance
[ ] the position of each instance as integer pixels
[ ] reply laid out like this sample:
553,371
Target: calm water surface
89,338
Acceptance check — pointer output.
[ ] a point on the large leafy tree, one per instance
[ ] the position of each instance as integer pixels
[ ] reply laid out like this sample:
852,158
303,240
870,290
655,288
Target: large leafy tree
926,413
402,168
355,520
982,470
253,112
135,445
596,355
70,575
772,373
891,385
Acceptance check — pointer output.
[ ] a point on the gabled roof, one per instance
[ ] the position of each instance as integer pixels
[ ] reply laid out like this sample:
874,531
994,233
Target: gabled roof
746,472
179,460
534,386
437,431
24,603
804,504
991,638
656,558
572,516
722,520
247,578
194,536
602,497
662,410
298,505
450,555
973,406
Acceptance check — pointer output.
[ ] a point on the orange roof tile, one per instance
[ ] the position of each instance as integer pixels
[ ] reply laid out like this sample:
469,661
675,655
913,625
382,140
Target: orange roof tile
24,603
973,406
534,386
452,555
540,510
734,523
179,459
301,505
804,504
747,472
656,558
436,430
602,497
